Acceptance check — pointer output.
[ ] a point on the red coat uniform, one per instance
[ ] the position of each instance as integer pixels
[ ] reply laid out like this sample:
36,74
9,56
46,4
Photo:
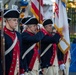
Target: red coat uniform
13,60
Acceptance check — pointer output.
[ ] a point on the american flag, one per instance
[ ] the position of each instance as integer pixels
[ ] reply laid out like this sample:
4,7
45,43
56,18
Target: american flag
37,9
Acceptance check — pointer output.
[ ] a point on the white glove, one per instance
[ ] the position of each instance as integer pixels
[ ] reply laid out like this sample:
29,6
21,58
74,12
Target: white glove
21,74
24,28
40,26
62,66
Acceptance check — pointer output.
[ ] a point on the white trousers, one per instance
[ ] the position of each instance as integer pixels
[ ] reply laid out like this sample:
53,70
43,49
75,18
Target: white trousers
33,72
35,68
52,70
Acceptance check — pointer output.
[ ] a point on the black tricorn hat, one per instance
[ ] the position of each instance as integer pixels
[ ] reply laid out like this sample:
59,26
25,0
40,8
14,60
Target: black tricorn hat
47,21
11,13
29,21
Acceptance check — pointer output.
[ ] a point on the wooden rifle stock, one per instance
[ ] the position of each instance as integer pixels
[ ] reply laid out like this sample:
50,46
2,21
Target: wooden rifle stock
2,41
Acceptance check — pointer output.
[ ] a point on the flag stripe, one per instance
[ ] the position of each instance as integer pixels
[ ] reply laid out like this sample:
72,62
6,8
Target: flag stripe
35,9
36,15
41,3
36,3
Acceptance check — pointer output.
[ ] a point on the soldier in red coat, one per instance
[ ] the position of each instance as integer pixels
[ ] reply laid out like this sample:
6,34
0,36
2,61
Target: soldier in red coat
50,55
13,62
30,38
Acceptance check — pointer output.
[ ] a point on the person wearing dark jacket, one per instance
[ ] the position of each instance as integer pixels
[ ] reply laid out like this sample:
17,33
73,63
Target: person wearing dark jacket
49,57
30,39
13,61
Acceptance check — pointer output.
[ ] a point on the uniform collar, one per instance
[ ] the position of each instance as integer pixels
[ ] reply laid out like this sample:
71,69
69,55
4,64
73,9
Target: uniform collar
29,32
49,34
9,30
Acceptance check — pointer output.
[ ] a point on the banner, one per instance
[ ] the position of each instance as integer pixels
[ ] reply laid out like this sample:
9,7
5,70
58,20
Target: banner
61,24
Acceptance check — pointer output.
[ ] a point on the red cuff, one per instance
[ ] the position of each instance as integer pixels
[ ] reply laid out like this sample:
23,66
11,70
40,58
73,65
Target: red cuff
60,62
44,31
21,71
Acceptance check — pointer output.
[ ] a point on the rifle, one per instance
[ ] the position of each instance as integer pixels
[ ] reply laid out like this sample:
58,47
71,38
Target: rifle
2,40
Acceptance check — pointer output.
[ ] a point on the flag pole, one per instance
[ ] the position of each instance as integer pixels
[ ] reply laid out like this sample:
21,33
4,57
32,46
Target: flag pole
39,28
2,41
39,10
39,41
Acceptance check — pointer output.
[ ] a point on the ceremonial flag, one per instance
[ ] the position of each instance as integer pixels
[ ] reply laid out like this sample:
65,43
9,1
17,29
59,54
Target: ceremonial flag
61,24
37,9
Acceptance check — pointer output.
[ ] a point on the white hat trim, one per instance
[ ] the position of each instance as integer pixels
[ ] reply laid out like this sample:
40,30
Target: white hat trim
28,20
10,10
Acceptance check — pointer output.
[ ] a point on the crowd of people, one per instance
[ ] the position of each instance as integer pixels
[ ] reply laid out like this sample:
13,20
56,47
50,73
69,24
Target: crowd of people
33,51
